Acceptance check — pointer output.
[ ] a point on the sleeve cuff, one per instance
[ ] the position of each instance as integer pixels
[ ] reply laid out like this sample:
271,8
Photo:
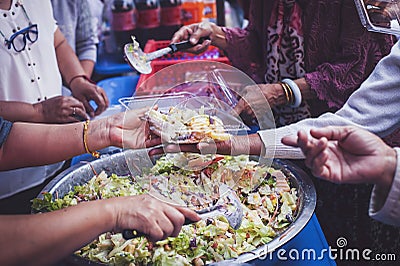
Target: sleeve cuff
387,210
274,147
88,54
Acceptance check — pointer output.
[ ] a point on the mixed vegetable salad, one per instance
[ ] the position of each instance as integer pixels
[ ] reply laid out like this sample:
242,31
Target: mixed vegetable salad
270,205
185,125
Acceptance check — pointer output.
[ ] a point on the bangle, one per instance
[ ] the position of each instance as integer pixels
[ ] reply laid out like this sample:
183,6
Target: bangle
95,154
80,76
288,92
296,92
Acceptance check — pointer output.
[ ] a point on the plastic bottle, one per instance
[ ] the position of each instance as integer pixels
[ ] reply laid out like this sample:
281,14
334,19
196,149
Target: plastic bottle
192,11
171,18
149,20
171,12
210,10
123,15
148,13
123,22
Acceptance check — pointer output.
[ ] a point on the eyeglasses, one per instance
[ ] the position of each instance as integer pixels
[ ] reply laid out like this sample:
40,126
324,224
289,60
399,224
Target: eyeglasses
18,39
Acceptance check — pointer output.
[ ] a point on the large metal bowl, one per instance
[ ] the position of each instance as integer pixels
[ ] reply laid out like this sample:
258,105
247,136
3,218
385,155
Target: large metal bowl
131,161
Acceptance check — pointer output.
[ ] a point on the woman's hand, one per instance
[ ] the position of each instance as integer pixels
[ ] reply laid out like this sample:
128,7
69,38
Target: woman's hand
346,155
156,219
260,97
60,109
86,91
130,130
194,32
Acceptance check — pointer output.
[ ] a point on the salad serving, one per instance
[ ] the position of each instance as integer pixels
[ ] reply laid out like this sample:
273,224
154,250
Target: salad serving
270,205
185,125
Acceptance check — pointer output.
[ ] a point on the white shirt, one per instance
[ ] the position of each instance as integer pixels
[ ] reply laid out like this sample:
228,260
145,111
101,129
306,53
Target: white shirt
29,76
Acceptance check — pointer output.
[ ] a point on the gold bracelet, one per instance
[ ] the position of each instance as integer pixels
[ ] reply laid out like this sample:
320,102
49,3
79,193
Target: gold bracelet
285,91
291,96
289,91
95,154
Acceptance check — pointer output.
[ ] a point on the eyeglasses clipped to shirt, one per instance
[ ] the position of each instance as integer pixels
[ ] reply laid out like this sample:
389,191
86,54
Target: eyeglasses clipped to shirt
19,38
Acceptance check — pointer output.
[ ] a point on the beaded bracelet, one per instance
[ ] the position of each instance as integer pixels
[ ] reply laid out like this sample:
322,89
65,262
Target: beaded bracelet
95,154
296,92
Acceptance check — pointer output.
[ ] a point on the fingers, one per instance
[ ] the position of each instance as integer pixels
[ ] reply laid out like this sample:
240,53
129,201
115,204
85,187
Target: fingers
177,218
88,108
153,140
182,34
63,109
87,92
240,106
315,153
331,132
290,140
201,47
189,214
174,148
101,99
319,167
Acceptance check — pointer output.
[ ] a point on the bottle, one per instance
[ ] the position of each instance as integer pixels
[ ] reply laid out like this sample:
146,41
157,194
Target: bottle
192,11
148,14
123,15
171,18
171,12
210,10
149,20
123,22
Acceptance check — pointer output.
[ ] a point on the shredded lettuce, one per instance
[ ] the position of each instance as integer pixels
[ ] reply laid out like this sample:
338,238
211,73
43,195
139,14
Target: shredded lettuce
267,212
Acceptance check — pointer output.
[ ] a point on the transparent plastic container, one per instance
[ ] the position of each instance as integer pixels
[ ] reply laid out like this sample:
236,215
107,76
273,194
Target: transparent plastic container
379,16
183,100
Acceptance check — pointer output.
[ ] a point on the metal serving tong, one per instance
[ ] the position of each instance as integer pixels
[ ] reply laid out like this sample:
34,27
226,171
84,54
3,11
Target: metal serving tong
228,205
140,61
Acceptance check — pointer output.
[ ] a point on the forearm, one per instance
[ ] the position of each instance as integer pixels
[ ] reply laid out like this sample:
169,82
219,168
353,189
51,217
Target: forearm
306,92
61,142
87,66
68,62
43,239
21,112
247,144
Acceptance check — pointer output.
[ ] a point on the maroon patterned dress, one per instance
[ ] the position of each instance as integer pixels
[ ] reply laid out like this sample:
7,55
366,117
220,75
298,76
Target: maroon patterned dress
337,55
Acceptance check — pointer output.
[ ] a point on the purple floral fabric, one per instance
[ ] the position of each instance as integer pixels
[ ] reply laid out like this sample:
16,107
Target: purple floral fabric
339,52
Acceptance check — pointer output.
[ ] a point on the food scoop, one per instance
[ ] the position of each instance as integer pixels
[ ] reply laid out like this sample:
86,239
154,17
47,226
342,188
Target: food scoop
228,205
140,61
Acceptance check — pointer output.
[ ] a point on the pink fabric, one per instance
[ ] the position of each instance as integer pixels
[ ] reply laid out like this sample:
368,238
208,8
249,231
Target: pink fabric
339,52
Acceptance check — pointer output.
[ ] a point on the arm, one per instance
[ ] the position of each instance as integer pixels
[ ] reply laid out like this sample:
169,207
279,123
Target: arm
81,87
20,111
65,141
374,107
55,235
59,109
